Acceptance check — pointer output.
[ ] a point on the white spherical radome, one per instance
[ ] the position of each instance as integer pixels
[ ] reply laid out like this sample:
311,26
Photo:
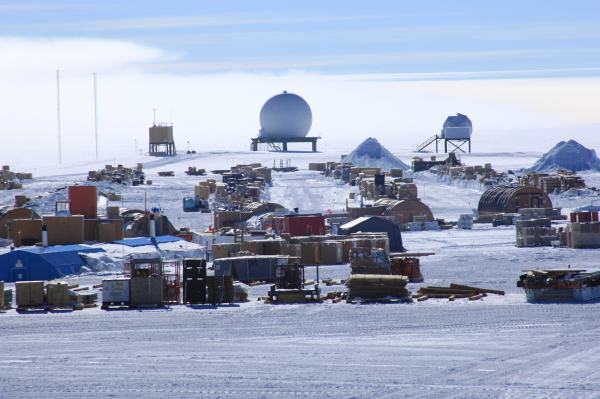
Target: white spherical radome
285,115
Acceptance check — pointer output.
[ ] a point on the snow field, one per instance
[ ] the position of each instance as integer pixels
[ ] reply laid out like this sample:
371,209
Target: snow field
498,347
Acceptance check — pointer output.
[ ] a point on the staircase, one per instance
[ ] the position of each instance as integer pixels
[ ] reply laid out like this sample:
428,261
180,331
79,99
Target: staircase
427,143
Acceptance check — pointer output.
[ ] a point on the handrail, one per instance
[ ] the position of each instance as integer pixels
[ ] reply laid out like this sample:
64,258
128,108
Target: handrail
427,142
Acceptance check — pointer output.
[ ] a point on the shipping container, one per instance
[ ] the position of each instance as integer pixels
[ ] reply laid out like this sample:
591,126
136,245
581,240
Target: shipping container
84,201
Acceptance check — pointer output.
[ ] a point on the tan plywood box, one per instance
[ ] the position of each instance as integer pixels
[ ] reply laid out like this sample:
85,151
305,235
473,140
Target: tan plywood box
64,230
30,293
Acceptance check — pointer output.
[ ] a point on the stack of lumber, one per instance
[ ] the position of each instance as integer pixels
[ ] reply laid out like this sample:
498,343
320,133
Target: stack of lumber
455,291
377,287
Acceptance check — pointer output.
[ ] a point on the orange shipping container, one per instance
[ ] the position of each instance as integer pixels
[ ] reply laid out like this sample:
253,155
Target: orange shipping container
84,201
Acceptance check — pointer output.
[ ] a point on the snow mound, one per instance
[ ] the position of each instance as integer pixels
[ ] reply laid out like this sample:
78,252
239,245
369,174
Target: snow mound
371,154
567,155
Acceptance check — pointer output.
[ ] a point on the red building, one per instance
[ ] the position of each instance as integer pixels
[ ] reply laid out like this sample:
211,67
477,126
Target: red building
300,225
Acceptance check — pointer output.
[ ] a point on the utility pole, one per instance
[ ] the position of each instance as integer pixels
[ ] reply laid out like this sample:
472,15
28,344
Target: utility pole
58,115
96,115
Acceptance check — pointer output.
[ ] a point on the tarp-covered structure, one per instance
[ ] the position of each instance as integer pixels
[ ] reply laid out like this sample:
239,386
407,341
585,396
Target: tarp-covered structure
142,241
43,263
375,224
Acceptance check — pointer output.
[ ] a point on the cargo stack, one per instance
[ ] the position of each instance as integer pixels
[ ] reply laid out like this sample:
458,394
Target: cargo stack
535,233
115,292
30,295
376,287
583,230
331,252
58,295
406,266
219,289
225,250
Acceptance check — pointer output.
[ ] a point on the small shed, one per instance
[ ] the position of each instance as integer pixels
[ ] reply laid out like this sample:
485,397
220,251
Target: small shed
43,263
375,224
509,199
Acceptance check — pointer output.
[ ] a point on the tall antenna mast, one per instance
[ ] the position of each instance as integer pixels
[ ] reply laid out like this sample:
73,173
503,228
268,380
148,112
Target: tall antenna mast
96,115
154,113
58,115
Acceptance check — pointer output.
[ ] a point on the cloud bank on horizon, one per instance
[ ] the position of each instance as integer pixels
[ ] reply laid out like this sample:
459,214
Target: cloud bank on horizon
527,76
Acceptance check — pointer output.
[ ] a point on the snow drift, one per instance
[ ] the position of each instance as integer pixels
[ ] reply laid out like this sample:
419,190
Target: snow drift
371,154
567,155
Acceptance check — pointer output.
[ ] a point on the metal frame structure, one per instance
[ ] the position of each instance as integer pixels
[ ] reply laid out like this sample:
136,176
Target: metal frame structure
456,143
273,142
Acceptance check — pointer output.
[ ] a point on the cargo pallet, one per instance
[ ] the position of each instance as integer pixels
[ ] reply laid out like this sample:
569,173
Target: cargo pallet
32,309
149,306
405,299
117,305
63,309
293,295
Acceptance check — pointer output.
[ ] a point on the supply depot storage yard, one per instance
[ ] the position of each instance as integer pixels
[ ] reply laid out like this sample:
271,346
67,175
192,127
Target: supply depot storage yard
500,346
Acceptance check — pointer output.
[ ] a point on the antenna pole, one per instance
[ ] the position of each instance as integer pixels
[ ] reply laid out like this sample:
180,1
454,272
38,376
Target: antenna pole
58,115
154,118
96,115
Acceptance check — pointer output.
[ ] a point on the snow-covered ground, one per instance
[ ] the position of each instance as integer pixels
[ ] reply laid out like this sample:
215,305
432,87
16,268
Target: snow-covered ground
498,347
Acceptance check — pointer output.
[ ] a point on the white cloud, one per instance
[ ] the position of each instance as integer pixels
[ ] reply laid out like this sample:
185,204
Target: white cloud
29,55
364,59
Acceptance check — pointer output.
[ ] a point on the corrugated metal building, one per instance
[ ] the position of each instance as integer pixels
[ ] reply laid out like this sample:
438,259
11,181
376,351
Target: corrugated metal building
508,199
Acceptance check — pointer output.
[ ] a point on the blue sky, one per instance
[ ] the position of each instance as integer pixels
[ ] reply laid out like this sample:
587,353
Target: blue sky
501,38
527,72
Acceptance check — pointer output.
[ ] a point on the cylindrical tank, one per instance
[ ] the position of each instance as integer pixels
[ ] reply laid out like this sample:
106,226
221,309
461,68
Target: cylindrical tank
285,115
84,201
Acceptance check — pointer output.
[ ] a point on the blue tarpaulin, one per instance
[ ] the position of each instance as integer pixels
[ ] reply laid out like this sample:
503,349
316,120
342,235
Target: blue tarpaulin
141,241
43,263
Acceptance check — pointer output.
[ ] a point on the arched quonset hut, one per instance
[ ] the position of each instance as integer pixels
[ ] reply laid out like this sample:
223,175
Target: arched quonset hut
404,210
506,199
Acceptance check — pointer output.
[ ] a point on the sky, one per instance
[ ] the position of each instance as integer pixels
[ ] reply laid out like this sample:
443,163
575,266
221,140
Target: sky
526,73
